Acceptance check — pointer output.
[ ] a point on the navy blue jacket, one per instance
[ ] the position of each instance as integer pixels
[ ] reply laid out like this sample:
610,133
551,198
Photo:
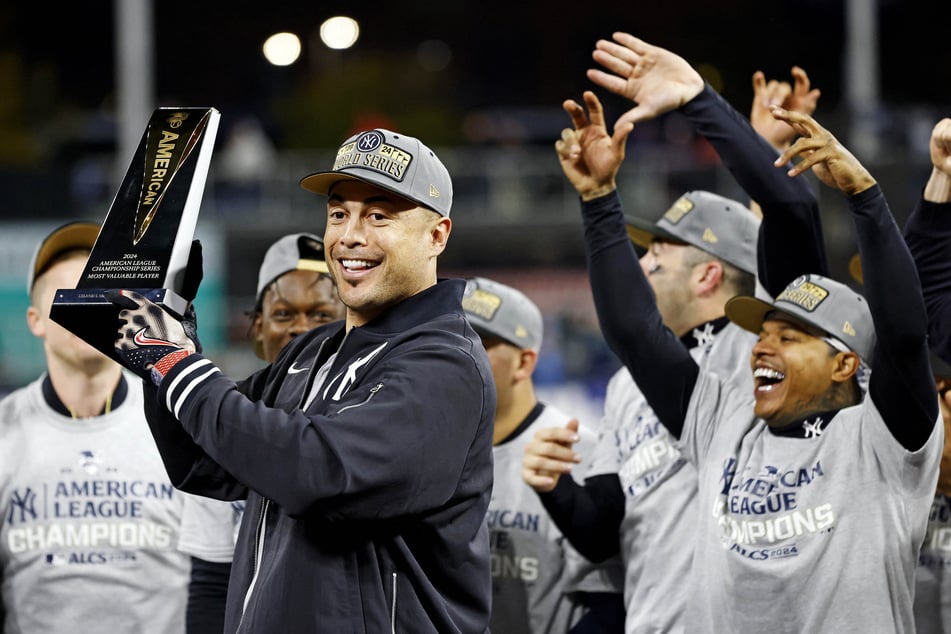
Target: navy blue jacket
365,511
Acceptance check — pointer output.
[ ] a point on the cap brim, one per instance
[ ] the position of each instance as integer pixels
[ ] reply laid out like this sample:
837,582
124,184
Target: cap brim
643,232
321,182
748,312
77,235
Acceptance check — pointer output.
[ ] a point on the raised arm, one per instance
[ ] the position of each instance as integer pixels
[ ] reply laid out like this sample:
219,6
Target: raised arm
901,385
629,318
928,235
658,81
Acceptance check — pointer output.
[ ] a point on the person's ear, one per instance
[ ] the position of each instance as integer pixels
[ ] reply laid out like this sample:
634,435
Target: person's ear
844,366
440,233
257,325
35,321
709,277
528,359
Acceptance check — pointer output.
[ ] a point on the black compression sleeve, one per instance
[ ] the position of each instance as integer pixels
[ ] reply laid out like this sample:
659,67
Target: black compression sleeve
588,516
901,385
928,235
790,240
207,596
630,322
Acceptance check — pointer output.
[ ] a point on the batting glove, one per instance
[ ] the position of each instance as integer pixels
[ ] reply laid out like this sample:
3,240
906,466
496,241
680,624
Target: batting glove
150,341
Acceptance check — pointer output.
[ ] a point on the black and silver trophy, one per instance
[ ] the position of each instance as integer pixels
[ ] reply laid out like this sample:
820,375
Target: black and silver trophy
145,240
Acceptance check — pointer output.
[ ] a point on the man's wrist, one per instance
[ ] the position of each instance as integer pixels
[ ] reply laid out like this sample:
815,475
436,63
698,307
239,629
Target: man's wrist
167,362
938,189
598,192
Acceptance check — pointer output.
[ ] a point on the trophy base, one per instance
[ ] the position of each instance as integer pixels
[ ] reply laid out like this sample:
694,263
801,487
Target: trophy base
87,313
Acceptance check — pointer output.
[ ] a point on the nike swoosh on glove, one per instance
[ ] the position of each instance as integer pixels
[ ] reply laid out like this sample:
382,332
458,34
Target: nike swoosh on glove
150,340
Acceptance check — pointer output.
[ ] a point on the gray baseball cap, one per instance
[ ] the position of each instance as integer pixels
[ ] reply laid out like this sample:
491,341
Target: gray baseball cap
818,301
712,223
497,310
297,251
396,162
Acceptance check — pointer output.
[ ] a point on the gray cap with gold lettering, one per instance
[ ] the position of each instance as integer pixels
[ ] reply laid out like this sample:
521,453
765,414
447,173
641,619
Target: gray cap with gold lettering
818,301
710,222
500,311
396,162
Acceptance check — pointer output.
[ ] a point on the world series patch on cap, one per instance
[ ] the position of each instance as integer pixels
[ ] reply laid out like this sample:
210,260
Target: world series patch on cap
500,311
712,223
818,301
396,162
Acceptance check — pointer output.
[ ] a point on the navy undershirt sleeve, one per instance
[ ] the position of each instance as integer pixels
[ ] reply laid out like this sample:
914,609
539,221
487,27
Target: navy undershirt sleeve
790,242
588,516
901,385
627,312
928,236
207,595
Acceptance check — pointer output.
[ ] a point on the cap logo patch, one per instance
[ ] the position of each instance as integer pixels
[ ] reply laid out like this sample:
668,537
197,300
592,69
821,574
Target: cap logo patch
848,329
678,210
806,295
482,304
433,192
369,152
521,332
709,236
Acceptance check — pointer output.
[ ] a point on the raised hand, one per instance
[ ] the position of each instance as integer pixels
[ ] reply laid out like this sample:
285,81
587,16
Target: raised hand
548,455
799,97
938,188
656,79
150,341
821,152
589,157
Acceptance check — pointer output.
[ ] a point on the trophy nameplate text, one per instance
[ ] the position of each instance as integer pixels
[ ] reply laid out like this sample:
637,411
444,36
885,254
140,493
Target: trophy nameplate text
145,240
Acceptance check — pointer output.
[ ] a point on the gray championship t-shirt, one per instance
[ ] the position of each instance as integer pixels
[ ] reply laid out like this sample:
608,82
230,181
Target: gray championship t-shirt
90,522
933,576
658,531
532,563
813,534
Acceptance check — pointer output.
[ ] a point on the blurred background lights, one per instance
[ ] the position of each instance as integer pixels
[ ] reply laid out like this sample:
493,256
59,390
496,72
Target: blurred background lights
433,55
339,32
282,49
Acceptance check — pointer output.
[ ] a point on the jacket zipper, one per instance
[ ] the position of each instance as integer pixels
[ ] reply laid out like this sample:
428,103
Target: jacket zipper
393,608
373,390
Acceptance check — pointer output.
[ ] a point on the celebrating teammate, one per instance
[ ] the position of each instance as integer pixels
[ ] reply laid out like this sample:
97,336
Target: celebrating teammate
928,235
701,253
90,519
797,475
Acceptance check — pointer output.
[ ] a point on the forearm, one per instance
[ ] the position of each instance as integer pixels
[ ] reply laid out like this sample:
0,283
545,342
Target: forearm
791,242
928,236
588,516
629,318
207,596
901,384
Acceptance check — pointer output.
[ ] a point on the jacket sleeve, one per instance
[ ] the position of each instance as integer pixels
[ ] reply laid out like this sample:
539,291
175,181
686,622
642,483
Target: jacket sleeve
901,384
188,466
790,240
397,442
928,235
630,321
